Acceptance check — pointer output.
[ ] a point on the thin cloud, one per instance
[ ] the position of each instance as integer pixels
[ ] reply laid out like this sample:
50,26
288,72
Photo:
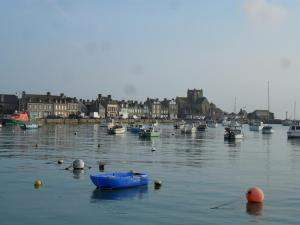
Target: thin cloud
265,12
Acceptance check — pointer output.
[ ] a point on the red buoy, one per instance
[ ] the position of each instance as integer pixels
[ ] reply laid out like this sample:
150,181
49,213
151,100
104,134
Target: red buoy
255,194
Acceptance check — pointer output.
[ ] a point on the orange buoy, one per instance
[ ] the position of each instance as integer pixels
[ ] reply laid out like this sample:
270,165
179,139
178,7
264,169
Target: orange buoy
255,194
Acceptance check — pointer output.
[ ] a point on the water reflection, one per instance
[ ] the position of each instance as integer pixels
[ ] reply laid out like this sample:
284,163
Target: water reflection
119,194
254,209
78,174
233,143
294,141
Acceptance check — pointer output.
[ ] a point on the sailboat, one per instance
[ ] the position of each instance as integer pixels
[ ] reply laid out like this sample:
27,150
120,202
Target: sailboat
268,129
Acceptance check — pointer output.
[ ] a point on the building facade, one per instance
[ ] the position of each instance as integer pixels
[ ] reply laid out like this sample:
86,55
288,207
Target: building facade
42,106
8,104
194,105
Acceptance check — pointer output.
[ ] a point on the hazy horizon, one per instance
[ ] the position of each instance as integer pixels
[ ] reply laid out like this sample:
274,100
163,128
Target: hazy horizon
135,49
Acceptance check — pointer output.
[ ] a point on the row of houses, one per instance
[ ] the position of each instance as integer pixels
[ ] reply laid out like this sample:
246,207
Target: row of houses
45,106
194,105
106,107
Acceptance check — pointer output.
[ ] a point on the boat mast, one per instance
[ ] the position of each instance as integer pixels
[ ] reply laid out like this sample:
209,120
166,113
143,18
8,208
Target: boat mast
295,111
268,102
234,105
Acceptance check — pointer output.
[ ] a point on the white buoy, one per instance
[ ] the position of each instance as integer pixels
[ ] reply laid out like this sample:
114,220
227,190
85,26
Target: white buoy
78,164
60,161
153,149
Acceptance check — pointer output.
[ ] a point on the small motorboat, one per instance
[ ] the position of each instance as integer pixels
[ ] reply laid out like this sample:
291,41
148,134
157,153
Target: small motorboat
212,123
256,125
149,132
117,129
119,180
294,131
189,129
26,126
137,128
267,130
232,133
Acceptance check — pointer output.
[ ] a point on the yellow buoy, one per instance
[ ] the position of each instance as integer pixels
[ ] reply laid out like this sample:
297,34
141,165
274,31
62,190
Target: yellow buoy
157,184
37,183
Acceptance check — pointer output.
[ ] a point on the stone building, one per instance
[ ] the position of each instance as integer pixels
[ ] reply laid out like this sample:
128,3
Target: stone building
195,104
42,106
262,115
153,107
168,109
106,107
8,104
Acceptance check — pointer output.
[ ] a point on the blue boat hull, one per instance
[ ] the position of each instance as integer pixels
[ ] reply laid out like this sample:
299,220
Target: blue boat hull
119,180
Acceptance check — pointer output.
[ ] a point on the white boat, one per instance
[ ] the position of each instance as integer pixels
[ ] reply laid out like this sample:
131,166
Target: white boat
232,133
256,126
188,129
294,131
212,123
179,125
267,129
117,129
226,123
26,126
287,122
234,123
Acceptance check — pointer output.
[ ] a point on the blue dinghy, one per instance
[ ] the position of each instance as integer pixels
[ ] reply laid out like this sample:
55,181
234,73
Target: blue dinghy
119,180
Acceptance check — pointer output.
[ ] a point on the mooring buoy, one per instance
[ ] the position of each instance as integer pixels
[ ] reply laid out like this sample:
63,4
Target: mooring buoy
78,164
37,183
60,161
157,184
255,194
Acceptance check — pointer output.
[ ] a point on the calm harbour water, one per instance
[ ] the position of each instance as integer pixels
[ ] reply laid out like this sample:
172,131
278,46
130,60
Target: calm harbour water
198,172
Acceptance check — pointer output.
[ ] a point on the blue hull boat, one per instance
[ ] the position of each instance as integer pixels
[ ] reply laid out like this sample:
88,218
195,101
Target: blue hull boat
29,126
119,180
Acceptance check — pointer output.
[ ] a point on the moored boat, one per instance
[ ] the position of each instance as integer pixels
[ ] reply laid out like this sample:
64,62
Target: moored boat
294,131
256,126
212,123
119,180
136,129
287,122
232,133
151,131
179,125
189,129
26,126
201,126
17,118
117,129
267,129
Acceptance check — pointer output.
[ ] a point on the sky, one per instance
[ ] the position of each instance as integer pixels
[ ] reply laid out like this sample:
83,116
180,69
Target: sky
134,49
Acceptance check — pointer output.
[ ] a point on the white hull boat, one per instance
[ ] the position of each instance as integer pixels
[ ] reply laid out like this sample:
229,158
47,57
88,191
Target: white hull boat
189,129
294,131
256,126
